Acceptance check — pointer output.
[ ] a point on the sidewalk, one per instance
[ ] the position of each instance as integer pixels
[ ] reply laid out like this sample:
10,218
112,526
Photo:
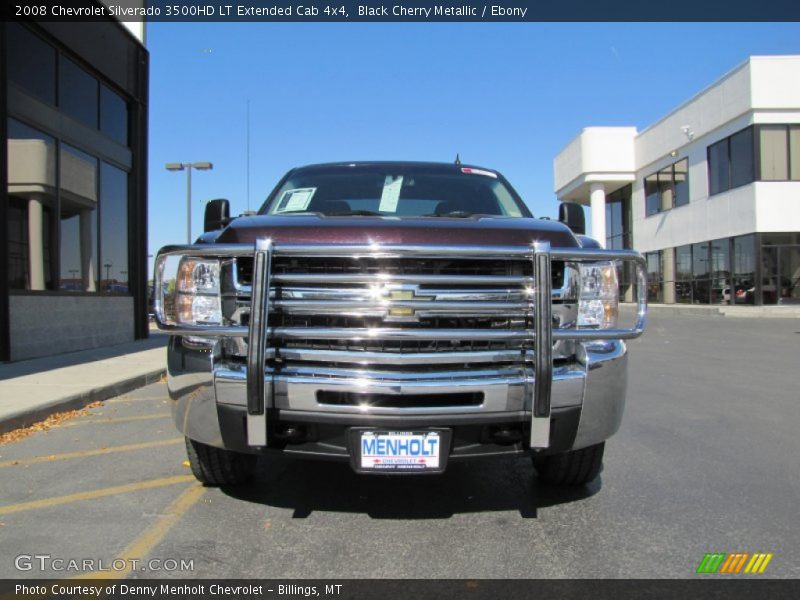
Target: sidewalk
31,390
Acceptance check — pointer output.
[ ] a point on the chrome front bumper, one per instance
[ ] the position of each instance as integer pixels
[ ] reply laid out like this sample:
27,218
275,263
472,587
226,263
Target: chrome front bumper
202,384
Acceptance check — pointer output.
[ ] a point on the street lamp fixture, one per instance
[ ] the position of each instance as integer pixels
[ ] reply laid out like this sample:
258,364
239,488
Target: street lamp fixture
202,166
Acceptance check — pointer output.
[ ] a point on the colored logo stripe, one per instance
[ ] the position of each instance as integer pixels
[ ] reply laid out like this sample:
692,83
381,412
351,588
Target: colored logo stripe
758,563
734,562
711,562
720,562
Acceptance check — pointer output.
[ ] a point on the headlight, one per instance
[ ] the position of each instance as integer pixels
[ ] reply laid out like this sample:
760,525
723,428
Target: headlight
599,297
197,292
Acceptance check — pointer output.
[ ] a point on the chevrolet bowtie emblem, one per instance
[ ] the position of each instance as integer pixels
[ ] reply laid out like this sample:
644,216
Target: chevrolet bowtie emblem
405,293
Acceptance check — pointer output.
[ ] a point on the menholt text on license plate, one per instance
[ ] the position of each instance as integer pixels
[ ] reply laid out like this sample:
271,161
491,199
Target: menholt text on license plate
400,451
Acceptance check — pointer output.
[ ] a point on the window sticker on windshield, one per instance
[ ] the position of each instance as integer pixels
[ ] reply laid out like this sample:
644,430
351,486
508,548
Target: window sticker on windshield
471,171
391,193
295,200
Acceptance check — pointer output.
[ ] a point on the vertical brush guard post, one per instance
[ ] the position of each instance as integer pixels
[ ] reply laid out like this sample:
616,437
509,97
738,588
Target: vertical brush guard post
258,331
543,346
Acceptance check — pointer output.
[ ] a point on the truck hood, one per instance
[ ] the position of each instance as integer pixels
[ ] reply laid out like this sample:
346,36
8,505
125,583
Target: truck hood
311,229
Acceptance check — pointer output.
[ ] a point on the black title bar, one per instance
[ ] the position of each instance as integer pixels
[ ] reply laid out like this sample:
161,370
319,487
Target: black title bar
402,11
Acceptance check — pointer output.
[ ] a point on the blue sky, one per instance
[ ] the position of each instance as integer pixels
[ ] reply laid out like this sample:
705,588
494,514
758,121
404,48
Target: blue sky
506,96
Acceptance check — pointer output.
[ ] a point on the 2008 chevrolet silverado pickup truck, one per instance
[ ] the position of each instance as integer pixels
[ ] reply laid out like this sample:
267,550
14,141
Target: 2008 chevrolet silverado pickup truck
397,316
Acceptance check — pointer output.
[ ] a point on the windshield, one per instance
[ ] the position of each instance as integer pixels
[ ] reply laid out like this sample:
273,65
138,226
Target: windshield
395,191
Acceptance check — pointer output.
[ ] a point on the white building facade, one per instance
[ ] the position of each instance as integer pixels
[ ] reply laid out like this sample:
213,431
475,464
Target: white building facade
710,193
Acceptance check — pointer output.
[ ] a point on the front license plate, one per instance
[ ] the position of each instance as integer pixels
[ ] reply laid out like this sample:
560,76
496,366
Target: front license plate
400,451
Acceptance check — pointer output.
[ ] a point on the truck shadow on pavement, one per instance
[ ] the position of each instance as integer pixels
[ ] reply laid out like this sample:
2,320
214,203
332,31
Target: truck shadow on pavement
484,486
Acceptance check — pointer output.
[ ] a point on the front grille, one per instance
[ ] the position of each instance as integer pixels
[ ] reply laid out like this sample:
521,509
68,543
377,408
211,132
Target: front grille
475,297
405,266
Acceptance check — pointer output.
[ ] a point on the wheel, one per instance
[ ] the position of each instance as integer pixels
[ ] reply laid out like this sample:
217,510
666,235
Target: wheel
570,468
215,466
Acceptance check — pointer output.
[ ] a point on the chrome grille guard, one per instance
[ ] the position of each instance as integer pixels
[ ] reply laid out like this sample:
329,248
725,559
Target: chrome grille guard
543,334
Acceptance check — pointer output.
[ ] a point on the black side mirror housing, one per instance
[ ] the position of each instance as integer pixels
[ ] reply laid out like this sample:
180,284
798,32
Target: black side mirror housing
571,215
217,215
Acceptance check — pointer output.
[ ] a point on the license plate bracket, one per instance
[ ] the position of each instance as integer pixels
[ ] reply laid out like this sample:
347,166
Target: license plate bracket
399,451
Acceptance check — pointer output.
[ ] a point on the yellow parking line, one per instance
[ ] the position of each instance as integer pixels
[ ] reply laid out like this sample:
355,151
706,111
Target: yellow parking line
93,452
112,420
144,544
91,495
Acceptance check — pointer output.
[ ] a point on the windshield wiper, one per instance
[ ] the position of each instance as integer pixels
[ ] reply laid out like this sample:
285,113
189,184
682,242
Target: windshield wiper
459,214
297,212
354,213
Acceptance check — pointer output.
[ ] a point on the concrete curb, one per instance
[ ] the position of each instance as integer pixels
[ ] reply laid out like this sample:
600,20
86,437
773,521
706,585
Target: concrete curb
27,417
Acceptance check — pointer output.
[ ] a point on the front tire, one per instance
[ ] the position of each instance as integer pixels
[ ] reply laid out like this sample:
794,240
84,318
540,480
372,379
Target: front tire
575,467
215,466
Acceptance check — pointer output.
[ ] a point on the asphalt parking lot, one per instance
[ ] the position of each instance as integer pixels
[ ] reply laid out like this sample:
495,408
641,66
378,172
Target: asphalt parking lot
706,461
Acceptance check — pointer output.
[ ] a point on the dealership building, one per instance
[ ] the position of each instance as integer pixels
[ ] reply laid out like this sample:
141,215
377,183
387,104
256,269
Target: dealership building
710,193
73,123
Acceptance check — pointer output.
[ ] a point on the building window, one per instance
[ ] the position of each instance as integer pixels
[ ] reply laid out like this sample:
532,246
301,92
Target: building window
652,200
731,162
668,188
794,152
72,236
744,277
31,62
113,115
683,274
779,152
680,178
77,92
720,271
32,202
742,158
701,287
774,149
114,229
78,220
719,167
618,218
655,274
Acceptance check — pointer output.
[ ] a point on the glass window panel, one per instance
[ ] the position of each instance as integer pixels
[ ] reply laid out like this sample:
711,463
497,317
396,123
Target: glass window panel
78,181
774,159
701,291
77,92
718,167
113,115
720,272
779,239
794,153
683,262
681,179
789,275
32,204
114,229
742,164
743,269
770,282
700,266
31,62
652,204
665,187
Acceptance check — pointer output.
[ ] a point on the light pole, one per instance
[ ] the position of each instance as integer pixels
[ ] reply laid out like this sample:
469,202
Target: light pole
202,166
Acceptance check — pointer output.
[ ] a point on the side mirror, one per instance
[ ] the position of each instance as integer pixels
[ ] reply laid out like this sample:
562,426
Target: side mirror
571,215
218,214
